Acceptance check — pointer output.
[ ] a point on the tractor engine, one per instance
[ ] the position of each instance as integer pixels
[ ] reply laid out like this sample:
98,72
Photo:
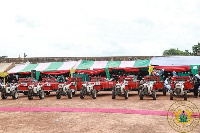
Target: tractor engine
61,87
121,87
148,87
145,87
118,87
66,88
10,88
90,87
35,89
179,88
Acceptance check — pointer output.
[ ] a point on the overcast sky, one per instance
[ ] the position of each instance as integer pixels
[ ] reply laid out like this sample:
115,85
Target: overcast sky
62,28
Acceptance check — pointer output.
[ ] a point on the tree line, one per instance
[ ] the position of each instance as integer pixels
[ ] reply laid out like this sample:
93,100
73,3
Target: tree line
173,51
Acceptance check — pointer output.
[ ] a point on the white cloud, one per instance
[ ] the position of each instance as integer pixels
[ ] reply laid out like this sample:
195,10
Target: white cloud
97,28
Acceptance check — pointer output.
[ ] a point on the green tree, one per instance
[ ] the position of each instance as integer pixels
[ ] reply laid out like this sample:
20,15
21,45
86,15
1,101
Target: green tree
195,48
173,51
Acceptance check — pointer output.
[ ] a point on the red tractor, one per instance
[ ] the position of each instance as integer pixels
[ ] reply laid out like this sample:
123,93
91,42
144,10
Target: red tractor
150,86
50,85
69,88
102,83
124,85
88,89
95,85
9,90
76,84
180,87
24,83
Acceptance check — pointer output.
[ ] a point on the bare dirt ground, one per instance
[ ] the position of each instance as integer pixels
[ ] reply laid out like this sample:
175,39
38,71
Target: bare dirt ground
27,122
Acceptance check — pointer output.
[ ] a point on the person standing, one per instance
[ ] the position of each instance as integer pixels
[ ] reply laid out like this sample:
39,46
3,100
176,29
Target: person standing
167,84
196,84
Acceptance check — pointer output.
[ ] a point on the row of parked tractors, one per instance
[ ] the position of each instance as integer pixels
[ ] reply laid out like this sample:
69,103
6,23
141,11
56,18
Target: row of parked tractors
180,86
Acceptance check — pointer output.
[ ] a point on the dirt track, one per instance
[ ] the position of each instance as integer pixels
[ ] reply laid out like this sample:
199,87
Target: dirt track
89,122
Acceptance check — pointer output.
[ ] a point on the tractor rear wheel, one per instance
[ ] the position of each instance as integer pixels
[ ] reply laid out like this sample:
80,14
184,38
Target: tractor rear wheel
58,96
30,94
3,95
164,91
185,95
154,95
41,94
70,94
126,94
81,94
141,95
15,95
113,94
73,93
94,94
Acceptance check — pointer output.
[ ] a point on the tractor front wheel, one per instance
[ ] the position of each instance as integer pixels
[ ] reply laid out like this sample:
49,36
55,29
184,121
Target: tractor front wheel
81,94
154,95
94,94
58,96
70,94
41,94
113,94
126,94
15,95
30,94
141,95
